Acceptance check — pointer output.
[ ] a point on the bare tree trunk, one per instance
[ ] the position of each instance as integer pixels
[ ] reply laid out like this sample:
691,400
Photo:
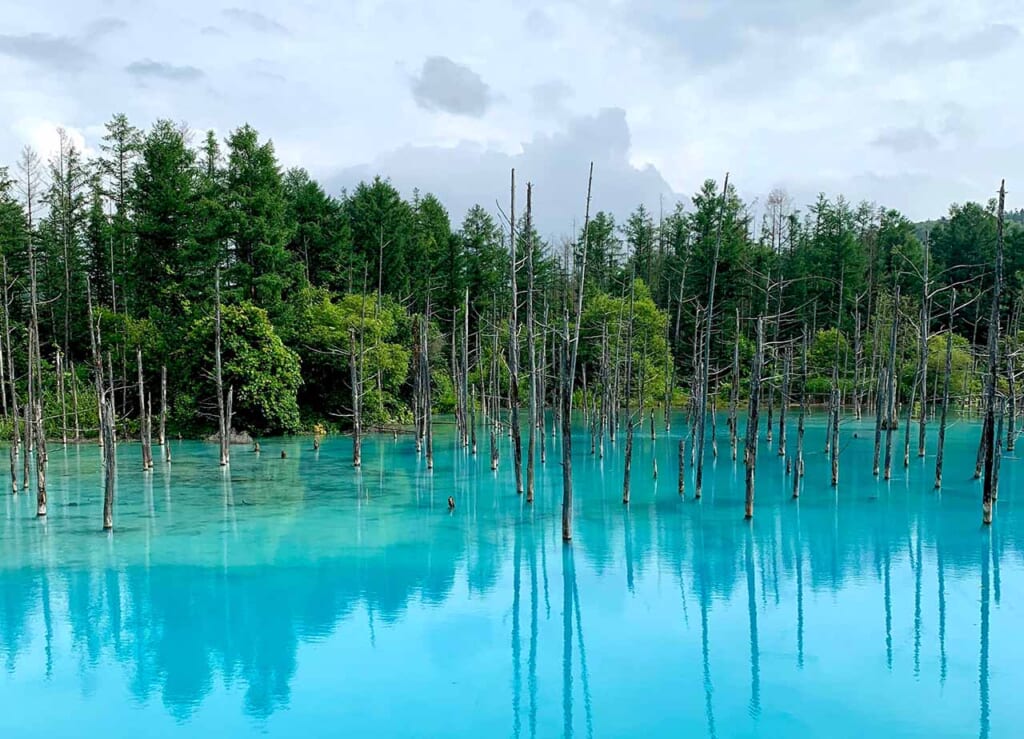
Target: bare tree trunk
706,363
925,325
858,360
40,461
1011,411
74,402
142,411
109,463
568,362
427,402
714,426
630,422
15,414
223,428
750,450
531,341
513,349
469,416
97,361
734,395
355,381
835,426
682,467
891,392
495,382
798,472
784,401
542,386
991,484
163,414
61,399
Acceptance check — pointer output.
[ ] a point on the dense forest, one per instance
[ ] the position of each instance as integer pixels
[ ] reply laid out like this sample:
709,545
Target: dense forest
198,270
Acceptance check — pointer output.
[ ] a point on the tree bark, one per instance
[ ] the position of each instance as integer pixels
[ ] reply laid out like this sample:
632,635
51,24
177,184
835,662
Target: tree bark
991,484
706,363
513,348
223,429
750,450
568,362
531,341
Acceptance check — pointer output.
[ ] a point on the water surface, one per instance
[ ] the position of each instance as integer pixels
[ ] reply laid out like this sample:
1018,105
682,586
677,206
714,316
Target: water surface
298,597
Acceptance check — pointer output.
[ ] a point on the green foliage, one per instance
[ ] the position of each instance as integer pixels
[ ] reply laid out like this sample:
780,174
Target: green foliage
324,333
604,314
264,373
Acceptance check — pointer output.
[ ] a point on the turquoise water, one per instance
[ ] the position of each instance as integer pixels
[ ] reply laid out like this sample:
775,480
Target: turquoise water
298,597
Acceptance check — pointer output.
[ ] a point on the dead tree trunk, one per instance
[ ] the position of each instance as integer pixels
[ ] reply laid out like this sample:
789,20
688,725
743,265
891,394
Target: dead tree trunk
357,421
891,391
835,426
223,429
734,395
146,464
513,348
531,341
568,364
109,462
991,485
61,399
750,449
682,467
706,361
925,325
428,413
784,401
40,460
631,424
798,472
74,401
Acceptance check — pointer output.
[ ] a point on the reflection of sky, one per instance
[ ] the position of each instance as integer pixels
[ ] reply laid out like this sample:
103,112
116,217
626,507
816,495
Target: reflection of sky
325,598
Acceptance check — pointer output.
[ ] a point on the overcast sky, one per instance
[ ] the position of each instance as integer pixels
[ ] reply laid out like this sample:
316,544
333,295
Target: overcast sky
914,104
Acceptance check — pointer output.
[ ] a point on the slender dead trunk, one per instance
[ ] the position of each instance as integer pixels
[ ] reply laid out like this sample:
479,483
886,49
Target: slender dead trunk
109,462
223,429
162,438
354,381
925,321
784,401
74,401
706,361
1011,409
513,349
40,461
531,341
750,449
798,472
835,426
97,361
61,399
428,413
891,391
858,360
991,485
630,422
542,386
682,467
568,363
142,411
734,395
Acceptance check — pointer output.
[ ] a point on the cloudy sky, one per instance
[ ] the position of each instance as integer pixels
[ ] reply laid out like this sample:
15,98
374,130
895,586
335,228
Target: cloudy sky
913,104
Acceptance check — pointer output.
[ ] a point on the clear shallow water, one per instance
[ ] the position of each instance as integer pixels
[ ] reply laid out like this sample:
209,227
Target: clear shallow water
299,597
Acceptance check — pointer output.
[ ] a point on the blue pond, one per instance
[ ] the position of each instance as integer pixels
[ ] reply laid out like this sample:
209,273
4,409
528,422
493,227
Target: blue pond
298,597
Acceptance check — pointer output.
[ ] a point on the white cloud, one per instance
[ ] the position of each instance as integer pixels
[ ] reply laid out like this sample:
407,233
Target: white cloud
801,91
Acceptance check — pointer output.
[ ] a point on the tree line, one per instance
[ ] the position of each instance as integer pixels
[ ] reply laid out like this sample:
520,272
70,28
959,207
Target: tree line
257,301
